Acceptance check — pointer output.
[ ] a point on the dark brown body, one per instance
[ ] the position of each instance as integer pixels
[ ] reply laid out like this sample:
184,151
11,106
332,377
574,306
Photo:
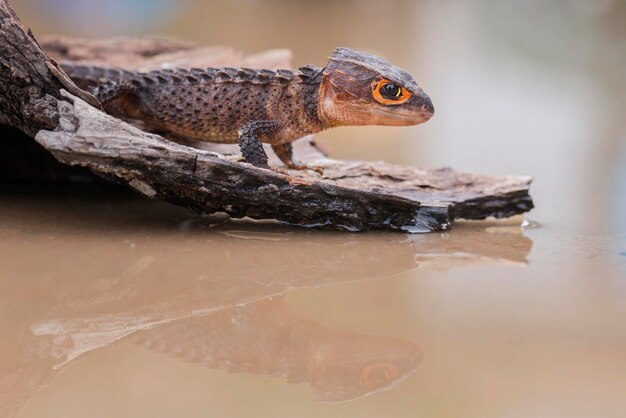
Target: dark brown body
250,107
213,104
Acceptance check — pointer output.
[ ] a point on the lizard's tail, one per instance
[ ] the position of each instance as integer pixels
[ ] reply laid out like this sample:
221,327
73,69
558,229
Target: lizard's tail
88,77
104,82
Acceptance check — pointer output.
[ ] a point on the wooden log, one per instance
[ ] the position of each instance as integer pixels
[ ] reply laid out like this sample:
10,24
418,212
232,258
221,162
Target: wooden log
40,100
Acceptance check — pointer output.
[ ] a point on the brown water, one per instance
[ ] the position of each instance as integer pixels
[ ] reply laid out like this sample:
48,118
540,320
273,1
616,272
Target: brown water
116,306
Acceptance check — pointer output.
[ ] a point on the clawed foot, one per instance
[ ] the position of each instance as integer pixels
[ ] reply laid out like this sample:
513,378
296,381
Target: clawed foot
317,168
293,166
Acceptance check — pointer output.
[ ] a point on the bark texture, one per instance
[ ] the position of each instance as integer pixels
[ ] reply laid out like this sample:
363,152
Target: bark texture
37,98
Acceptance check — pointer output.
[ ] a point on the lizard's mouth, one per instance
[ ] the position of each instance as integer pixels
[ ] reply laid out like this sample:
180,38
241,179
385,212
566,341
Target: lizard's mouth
390,116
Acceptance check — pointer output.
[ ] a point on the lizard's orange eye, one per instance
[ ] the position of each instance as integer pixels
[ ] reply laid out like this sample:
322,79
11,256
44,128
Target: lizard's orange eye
389,93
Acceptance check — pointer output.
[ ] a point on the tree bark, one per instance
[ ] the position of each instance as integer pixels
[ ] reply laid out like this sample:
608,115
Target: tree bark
38,98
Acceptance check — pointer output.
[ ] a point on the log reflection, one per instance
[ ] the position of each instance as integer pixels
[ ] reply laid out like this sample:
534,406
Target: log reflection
131,269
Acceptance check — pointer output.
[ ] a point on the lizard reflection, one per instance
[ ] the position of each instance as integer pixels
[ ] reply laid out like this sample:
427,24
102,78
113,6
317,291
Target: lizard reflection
270,338
121,280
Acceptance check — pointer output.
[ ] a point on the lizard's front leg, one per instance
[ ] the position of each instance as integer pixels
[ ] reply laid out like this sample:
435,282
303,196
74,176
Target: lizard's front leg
250,142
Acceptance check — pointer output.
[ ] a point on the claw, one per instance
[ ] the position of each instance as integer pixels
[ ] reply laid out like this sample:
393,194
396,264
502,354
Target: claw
280,170
294,166
300,167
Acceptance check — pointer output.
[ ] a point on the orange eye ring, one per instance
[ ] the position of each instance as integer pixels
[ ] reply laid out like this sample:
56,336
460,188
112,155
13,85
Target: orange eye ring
401,95
388,373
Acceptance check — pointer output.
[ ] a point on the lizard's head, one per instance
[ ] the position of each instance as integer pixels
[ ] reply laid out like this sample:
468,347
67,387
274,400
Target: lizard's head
363,89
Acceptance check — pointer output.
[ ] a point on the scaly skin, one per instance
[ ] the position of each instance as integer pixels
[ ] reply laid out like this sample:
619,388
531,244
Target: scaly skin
250,107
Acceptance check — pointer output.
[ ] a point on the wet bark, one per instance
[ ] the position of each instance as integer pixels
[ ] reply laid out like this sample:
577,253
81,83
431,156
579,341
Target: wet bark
37,98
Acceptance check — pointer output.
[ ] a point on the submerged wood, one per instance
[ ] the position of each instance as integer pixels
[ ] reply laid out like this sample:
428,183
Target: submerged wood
38,98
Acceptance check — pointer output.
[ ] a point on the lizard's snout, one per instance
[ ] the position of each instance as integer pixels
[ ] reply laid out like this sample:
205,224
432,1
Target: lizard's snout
426,108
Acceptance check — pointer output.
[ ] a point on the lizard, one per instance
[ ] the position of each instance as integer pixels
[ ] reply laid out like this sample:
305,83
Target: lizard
255,106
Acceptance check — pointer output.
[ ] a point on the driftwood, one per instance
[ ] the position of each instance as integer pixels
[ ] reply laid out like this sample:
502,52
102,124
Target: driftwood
38,98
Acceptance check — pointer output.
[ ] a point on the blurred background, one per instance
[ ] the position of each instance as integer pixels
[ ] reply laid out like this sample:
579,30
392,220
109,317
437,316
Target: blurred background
511,322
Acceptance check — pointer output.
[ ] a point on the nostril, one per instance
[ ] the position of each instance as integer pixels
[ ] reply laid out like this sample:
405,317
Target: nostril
428,106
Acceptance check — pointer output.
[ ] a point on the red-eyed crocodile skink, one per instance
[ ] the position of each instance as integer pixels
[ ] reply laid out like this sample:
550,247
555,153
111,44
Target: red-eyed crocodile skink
251,107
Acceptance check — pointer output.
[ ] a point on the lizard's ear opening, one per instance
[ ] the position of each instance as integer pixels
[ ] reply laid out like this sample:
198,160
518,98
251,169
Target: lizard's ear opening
389,93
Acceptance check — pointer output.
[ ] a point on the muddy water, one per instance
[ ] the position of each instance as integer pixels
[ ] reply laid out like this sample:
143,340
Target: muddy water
115,306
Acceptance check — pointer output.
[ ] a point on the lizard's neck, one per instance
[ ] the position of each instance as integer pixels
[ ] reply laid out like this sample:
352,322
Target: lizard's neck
305,92
298,107
329,112
310,97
